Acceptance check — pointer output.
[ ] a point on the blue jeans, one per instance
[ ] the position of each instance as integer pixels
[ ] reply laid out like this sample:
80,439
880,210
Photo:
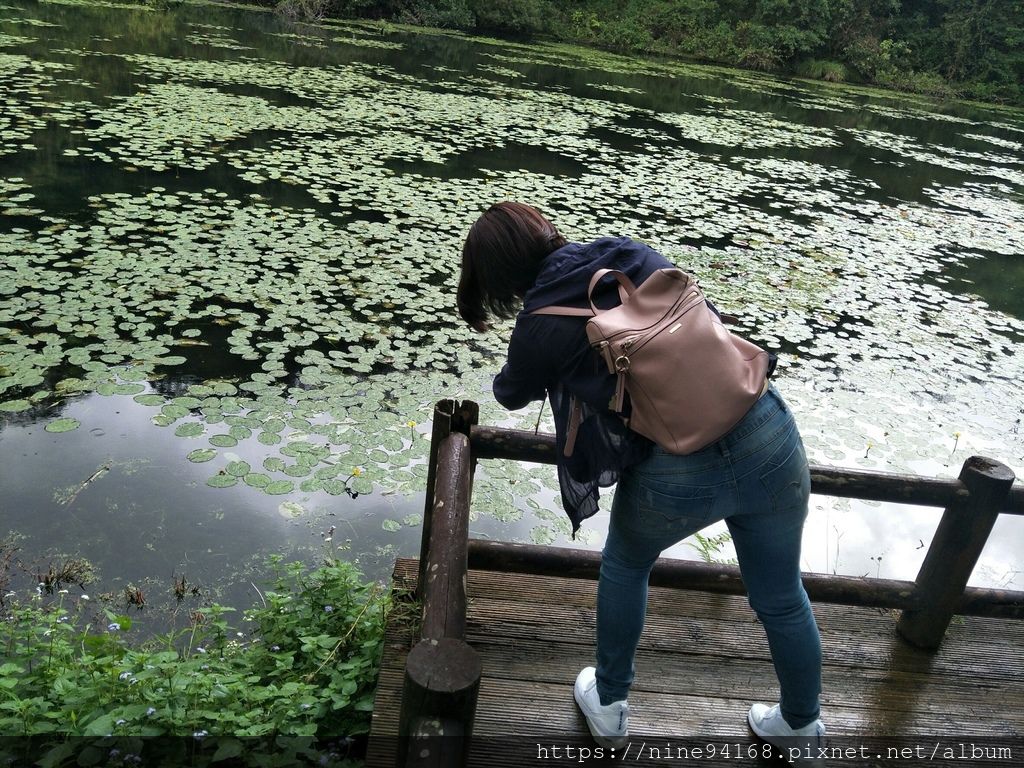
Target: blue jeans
755,478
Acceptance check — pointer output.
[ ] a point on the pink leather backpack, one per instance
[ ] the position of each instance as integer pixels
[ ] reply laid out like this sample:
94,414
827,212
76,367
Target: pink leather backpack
689,379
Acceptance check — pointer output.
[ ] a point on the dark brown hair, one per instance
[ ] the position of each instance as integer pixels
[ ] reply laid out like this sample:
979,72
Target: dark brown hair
500,260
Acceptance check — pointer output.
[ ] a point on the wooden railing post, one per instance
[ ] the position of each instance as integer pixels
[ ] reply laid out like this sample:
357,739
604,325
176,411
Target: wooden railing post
441,427
449,416
442,672
954,551
443,590
439,695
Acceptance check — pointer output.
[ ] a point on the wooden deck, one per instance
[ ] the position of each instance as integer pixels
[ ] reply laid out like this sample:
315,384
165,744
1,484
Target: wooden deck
702,660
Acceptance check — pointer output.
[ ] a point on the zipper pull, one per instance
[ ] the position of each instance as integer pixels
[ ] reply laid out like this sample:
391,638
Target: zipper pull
620,392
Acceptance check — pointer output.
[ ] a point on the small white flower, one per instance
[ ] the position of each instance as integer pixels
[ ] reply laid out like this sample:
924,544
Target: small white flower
200,735
200,649
124,675
121,721
151,711
84,597
113,627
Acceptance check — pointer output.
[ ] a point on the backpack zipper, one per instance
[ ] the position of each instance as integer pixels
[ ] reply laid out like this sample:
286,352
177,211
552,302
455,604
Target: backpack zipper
628,344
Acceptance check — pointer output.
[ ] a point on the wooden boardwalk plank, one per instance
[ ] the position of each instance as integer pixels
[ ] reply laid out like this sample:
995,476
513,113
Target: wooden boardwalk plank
702,661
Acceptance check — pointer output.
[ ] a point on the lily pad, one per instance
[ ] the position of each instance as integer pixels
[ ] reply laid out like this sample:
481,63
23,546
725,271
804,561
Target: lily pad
279,487
290,509
201,455
63,425
223,441
238,468
257,480
173,411
190,429
334,487
240,432
222,481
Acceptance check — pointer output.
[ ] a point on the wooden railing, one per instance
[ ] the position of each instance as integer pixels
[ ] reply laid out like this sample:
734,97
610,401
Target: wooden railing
442,676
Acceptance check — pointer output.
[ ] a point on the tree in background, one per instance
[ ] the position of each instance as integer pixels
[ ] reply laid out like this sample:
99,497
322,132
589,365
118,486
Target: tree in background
940,47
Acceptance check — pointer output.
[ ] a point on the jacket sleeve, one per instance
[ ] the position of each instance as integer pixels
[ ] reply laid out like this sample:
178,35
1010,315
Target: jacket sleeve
522,378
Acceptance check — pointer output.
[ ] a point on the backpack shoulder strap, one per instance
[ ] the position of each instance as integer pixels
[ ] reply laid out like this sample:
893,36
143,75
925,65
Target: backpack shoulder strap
626,289
564,311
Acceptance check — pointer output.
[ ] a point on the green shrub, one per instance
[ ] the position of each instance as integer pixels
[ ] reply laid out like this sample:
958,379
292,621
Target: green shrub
625,35
305,10
583,25
756,47
714,44
926,83
516,17
819,69
872,58
672,23
451,14
1012,93
302,675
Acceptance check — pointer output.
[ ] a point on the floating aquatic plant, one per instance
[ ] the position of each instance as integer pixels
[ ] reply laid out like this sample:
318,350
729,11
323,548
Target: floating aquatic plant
296,228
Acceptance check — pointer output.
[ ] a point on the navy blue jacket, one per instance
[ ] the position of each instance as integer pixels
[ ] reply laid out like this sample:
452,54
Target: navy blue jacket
551,354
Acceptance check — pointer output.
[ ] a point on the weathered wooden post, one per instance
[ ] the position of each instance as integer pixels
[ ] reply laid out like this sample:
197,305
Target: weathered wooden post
442,672
441,427
954,551
443,590
449,416
442,682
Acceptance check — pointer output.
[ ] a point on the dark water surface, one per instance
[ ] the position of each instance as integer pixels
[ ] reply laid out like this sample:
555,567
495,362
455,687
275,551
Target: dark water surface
229,245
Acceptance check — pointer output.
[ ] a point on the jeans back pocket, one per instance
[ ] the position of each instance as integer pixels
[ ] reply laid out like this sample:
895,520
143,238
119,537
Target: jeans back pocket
670,509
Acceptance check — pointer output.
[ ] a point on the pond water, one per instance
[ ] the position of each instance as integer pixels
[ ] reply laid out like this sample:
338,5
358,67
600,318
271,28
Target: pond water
229,246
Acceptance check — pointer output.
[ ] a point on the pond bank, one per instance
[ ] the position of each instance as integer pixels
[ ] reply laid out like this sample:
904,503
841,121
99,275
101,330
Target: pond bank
953,50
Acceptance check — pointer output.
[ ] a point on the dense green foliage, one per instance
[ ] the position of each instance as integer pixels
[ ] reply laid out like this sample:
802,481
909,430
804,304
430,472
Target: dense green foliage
292,690
972,48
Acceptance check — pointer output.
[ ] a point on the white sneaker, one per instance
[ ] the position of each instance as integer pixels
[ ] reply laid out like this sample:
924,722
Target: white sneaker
794,743
609,725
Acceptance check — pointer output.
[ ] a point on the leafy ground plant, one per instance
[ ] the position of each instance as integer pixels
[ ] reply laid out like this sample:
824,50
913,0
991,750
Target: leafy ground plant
295,689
